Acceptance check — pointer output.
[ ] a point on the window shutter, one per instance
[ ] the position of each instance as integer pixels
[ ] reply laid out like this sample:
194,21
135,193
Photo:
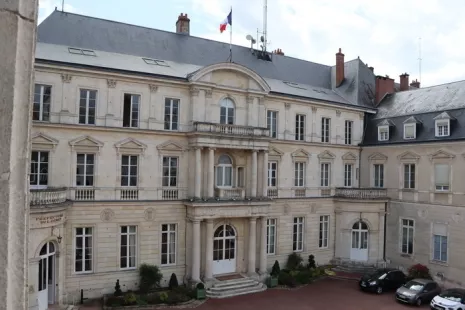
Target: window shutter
441,174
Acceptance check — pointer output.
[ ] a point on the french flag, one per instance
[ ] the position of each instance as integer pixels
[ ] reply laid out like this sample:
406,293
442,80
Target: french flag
228,20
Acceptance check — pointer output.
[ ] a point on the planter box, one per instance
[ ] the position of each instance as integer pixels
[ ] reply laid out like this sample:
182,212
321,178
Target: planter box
272,282
201,293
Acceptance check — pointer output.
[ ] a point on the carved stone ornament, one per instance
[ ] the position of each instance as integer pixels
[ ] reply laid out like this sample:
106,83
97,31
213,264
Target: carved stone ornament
194,91
313,207
457,217
249,99
208,93
66,78
423,213
149,214
153,88
107,215
338,113
287,209
314,109
111,83
287,105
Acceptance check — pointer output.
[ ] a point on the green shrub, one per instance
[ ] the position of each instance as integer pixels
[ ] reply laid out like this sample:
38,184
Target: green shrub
153,299
118,291
173,281
163,297
294,260
276,269
176,298
114,301
311,262
142,300
150,277
130,299
183,290
303,277
287,279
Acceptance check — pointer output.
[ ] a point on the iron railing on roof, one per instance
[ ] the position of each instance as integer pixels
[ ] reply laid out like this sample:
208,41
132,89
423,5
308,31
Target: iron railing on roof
235,130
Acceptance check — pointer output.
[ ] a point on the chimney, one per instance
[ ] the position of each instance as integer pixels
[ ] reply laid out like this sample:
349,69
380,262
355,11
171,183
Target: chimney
372,69
278,52
183,24
384,85
415,83
404,82
339,68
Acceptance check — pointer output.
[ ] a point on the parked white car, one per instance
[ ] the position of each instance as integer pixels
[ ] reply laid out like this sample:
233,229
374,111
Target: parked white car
451,299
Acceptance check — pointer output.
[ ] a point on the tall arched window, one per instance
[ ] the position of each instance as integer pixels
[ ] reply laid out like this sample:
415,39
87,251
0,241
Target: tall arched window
224,171
227,111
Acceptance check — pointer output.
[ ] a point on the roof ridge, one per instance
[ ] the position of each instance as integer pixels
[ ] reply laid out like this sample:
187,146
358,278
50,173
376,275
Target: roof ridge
431,86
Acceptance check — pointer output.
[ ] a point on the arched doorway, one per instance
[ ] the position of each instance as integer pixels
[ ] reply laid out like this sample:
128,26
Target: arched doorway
47,276
224,250
359,248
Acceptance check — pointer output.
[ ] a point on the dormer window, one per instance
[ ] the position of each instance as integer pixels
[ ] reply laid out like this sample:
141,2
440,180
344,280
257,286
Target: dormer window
383,133
410,128
442,124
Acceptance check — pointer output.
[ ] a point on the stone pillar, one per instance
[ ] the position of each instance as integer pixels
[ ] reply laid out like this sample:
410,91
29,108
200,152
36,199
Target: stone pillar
254,174
265,174
198,171
18,24
211,172
263,246
209,250
252,246
33,283
195,274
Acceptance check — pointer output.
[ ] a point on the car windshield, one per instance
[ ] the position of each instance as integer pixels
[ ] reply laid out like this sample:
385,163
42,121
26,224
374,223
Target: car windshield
452,295
414,286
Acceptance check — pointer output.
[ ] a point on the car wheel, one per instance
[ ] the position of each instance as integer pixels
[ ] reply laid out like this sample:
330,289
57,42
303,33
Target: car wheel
379,290
419,302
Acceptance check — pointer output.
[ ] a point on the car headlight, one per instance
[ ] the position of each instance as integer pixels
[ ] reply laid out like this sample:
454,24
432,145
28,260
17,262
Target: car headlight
373,283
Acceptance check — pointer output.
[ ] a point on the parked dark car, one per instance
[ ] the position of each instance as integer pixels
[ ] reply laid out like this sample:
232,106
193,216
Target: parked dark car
418,291
382,280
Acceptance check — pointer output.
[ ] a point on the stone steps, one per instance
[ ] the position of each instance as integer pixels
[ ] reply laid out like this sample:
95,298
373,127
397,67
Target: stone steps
235,287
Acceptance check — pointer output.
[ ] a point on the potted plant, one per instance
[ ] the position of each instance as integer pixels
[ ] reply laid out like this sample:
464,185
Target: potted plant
200,291
273,279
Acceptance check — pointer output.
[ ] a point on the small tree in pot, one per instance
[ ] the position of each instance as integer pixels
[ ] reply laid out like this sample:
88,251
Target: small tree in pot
200,291
274,275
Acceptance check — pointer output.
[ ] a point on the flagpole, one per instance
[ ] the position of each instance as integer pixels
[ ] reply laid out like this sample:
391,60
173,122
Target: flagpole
230,39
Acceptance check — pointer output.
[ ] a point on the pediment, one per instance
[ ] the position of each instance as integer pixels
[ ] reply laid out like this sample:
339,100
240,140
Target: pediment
349,156
386,122
409,156
326,155
272,151
170,146
300,154
441,154
377,156
443,115
42,139
86,141
131,144
412,120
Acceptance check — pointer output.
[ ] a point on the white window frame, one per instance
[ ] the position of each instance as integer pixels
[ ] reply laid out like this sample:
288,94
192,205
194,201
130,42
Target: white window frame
299,169
223,168
348,175
441,259
325,129
169,177
88,91
270,116
129,170
381,180
272,222
171,123
407,173
414,131
442,127
349,125
300,119
272,169
323,232
136,249
383,130
168,232
83,237
410,233
85,169
298,237
40,186
41,102
131,119
443,187
228,107
325,174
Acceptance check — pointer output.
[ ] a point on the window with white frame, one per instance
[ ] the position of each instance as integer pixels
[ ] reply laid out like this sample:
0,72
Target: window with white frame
325,170
271,236
325,129
128,247
170,171
38,176
378,177
224,171
298,234
407,231
171,114
348,132
348,175
442,177
227,111
300,127
131,108
440,244
85,169
409,176
168,244
83,254
299,174
383,133
87,106
323,239
272,174
272,123
410,131
42,100
129,170
442,128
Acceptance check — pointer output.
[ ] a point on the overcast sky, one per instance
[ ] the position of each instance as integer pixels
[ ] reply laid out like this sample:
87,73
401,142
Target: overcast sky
384,34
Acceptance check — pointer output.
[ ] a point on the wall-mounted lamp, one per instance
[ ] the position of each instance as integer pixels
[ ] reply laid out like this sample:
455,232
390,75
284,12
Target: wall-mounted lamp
59,239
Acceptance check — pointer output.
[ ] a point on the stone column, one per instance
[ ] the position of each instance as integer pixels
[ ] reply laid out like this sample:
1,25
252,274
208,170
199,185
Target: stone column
252,246
211,171
18,24
254,174
33,283
265,174
195,274
198,171
209,250
263,246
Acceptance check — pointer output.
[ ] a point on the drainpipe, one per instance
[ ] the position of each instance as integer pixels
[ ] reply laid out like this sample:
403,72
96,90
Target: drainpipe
385,230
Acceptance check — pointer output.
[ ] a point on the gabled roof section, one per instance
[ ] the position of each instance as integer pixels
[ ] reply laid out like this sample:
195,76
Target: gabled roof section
272,151
409,156
43,139
171,146
130,144
326,155
441,154
412,120
377,156
386,122
349,156
443,115
300,154
86,141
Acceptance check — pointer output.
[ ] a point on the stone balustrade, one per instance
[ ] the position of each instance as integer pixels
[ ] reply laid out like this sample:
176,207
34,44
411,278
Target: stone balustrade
233,130
48,196
127,193
361,193
230,193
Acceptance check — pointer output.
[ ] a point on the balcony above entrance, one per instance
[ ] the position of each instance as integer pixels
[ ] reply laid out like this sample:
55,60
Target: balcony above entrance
49,199
361,193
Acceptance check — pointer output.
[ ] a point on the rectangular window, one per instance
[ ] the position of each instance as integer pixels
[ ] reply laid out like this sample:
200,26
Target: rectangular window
272,174
409,131
271,236
348,175
42,100
131,110
440,248
325,129
87,106
442,128
170,171
85,170
83,249
299,174
298,234
409,176
383,133
379,175
407,227
324,176
168,244
38,176
272,123
324,231
348,132
300,127
128,247
441,177
171,114
129,170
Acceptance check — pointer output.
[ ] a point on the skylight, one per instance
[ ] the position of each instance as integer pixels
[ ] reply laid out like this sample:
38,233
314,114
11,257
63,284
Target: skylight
155,62
80,51
292,84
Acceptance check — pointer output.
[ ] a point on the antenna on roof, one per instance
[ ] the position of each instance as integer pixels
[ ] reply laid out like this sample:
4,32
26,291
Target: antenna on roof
62,5
252,41
419,57
265,15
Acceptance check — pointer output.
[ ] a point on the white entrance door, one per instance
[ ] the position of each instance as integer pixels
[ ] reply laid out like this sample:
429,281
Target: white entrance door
46,290
359,248
224,250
